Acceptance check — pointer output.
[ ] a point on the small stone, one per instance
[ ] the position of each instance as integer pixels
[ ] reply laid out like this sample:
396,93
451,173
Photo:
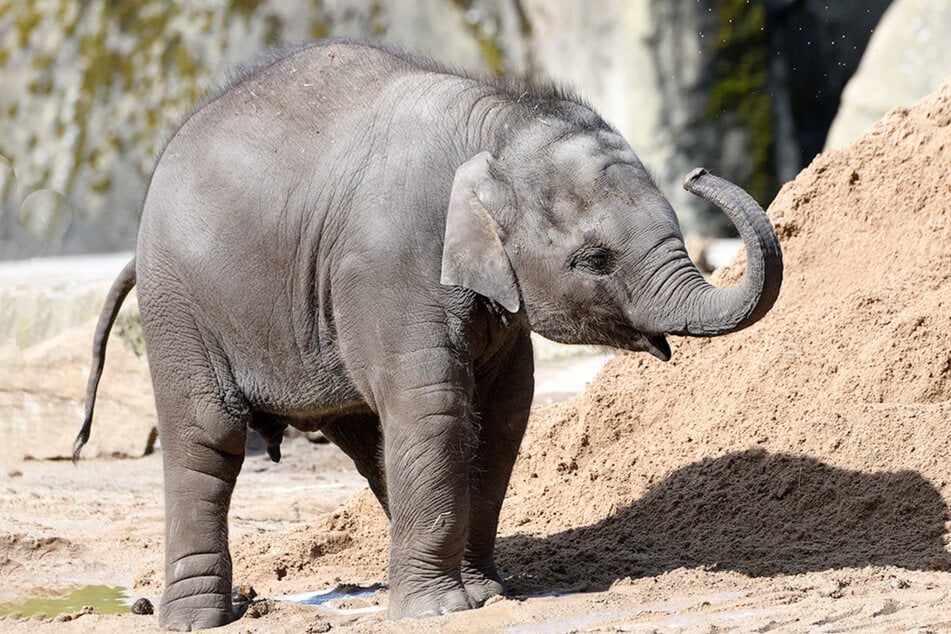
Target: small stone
885,608
900,584
319,627
243,594
142,607
258,609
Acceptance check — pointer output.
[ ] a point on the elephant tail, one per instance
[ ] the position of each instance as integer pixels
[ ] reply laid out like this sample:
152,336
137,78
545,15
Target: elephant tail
117,293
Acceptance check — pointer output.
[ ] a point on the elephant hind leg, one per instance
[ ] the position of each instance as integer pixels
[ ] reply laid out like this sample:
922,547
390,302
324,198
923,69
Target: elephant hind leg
198,573
203,433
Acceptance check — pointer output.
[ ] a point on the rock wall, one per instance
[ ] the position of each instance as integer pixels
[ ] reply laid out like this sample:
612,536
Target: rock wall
92,89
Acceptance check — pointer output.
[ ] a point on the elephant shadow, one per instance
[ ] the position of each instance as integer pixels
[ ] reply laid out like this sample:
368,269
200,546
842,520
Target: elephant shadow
753,512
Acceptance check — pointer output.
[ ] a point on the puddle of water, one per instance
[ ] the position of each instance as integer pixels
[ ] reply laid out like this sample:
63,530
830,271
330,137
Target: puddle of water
104,599
343,591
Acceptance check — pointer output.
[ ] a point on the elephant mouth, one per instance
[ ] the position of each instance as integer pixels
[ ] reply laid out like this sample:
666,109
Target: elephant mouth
657,345
614,334
630,338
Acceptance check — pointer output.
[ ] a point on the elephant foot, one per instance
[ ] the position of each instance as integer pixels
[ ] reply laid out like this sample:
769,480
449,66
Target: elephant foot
482,586
434,600
197,612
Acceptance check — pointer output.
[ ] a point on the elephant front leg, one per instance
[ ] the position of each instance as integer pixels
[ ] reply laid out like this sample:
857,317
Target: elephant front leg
504,406
427,443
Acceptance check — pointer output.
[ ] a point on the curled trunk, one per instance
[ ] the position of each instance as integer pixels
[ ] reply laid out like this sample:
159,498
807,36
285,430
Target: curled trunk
700,309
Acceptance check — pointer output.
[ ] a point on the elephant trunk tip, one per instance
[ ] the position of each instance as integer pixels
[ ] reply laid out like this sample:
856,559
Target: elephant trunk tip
692,177
703,310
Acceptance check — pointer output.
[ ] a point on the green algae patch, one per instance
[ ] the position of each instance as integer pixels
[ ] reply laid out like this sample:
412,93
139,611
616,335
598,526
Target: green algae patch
102,599
742,86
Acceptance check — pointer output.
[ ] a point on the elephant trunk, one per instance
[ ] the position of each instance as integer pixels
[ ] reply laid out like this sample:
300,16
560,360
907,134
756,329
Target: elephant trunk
700,309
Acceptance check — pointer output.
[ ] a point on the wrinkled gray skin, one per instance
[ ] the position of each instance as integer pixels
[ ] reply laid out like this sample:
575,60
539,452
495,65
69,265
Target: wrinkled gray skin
353,240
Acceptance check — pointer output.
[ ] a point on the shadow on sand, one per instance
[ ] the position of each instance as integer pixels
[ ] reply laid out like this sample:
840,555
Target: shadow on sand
752,512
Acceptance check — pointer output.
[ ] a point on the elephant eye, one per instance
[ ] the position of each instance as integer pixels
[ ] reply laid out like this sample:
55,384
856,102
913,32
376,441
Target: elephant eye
594,261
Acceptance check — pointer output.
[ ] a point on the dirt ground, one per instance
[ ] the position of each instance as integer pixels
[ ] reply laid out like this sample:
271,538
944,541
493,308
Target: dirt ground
101,522
793,477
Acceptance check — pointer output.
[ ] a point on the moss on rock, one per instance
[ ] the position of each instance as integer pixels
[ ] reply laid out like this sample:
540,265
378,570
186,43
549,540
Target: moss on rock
741,87
491,50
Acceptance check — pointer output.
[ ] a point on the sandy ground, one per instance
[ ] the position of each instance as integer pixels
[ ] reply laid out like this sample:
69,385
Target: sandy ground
101,522
794,477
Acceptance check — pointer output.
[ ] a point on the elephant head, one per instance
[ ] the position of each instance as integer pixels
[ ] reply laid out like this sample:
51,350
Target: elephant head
570,224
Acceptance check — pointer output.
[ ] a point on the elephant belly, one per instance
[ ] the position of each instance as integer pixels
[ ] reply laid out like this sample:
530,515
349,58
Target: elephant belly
299,390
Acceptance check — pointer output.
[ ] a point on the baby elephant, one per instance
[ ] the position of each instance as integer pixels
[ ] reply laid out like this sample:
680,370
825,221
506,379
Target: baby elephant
351,239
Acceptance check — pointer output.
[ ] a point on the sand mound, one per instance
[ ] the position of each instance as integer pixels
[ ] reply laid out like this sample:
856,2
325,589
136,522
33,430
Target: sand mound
816,439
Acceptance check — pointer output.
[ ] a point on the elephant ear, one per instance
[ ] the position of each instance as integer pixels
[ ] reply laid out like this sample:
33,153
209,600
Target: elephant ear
472,255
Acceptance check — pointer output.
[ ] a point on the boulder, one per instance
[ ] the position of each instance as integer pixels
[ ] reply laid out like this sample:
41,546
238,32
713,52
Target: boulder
48,311
908,57
42,298
42,393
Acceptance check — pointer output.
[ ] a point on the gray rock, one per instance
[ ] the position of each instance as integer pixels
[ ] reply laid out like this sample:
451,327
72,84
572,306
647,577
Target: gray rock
818,45
908,57
41,298
42,391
